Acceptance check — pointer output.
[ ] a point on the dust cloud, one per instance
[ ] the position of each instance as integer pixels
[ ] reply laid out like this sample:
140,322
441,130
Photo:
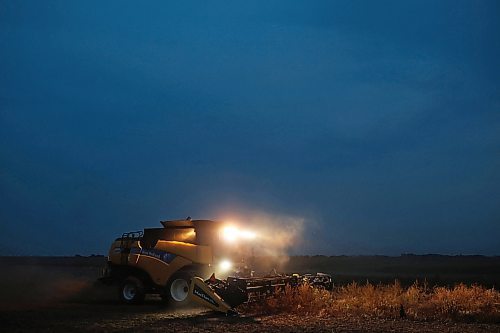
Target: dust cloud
275,236
32,285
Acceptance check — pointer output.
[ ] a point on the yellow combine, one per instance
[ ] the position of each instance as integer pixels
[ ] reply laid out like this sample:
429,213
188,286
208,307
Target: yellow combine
171,261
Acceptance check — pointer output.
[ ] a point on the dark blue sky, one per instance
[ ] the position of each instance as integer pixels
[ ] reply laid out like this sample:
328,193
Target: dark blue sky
377,123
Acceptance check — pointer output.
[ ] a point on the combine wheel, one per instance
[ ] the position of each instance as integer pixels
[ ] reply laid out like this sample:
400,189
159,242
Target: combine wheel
177,289
131,290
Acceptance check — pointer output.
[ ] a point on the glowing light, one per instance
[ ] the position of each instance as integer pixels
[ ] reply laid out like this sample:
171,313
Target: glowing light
230,234
225,265
247,234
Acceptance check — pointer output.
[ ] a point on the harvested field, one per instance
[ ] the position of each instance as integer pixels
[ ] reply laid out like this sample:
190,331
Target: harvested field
61,295
152,318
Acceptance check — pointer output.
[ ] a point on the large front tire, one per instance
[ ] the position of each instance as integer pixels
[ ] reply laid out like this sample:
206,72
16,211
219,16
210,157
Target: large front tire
131,290
177,290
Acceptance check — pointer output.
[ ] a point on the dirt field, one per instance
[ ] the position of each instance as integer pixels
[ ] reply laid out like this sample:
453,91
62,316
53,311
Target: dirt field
60,295
153,318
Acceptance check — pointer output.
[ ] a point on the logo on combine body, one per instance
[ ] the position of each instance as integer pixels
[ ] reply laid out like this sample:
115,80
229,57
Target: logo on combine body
203,295
158,254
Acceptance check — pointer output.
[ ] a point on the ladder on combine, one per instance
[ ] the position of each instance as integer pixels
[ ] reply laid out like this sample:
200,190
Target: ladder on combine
126,241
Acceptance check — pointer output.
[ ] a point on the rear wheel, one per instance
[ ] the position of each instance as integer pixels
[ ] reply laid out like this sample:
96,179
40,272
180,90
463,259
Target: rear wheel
131,290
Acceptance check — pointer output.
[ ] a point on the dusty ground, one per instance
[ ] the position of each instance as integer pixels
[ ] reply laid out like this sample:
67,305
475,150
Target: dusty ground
152,317
62,296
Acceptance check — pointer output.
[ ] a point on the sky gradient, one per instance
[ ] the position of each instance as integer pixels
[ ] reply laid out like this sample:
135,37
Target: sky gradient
374,123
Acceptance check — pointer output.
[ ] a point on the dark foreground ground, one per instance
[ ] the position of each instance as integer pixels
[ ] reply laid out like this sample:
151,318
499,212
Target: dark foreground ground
152,318
61,295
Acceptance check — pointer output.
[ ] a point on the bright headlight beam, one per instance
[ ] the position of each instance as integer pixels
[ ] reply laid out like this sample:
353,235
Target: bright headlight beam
225,265
247,234
231,234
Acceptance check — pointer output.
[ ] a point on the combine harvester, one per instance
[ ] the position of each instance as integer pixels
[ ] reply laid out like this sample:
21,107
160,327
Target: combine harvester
172,260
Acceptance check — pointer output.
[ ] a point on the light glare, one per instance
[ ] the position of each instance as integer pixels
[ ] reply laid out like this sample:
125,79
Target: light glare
230,234
247,234
225,265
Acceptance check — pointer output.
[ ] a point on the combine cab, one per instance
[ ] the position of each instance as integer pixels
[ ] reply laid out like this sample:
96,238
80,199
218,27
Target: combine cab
171,261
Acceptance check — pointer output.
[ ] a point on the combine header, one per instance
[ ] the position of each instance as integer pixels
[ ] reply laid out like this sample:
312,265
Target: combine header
172,260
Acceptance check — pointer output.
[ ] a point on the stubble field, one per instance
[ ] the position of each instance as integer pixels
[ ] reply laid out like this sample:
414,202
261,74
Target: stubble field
60,294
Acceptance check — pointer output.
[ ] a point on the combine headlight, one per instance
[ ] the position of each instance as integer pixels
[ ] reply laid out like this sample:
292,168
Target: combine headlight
247,234
231,234
225,265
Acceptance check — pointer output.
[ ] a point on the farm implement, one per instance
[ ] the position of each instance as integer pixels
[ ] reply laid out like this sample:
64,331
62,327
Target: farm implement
225,295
